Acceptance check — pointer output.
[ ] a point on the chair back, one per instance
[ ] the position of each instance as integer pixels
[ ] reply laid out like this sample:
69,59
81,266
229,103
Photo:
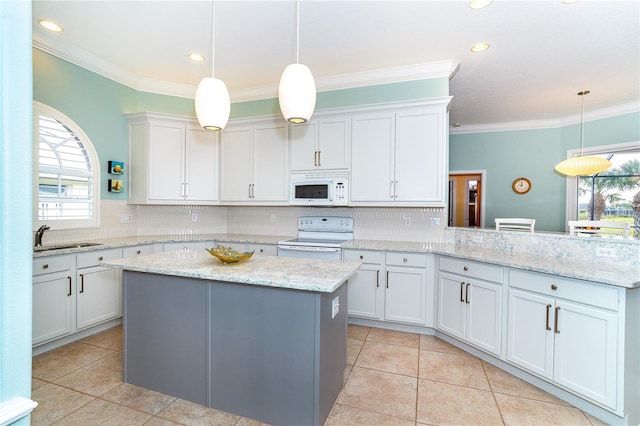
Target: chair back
515,224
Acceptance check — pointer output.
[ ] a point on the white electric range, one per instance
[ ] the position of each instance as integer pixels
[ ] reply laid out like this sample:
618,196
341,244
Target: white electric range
319,237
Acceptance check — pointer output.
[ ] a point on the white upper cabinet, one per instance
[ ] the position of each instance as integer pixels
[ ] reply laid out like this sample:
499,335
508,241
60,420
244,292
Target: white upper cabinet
254,163
399,156
321,144
171,160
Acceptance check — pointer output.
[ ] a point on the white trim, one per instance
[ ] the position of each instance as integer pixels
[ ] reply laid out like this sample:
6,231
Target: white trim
14,409
483,192
613,111
571,209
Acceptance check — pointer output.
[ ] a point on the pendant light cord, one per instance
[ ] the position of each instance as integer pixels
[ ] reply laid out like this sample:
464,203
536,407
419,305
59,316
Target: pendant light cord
213,36
583,94
297,31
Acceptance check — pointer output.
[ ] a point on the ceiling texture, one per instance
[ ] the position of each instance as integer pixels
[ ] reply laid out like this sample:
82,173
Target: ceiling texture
543,52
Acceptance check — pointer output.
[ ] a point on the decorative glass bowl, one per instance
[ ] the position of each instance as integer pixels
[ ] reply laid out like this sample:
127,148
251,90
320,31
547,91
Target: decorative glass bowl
228,255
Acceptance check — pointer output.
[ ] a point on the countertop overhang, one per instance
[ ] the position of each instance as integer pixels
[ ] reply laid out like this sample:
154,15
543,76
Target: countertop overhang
268,271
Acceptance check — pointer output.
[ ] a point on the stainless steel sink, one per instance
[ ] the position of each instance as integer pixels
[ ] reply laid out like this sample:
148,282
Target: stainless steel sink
64,246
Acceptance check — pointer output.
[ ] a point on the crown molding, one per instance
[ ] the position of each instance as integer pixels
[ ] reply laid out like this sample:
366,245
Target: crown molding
609,112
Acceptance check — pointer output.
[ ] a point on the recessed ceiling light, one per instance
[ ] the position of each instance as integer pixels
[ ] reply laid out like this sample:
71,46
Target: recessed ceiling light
50,25
479,4
570,1
196,57
480,47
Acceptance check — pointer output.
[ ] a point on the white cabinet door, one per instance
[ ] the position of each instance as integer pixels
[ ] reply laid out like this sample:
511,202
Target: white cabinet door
201,165
405,295
530,332
418,157
364,292
166,161
451,305
372,158
52,306
99,295
585,355
236,164
304,146
484,315
270,163
333,143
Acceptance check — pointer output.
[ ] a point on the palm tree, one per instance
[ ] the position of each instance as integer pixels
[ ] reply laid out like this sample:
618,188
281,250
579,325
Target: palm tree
607,187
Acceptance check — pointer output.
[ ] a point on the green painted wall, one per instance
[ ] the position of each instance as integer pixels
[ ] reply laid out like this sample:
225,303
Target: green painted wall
533,154
97,104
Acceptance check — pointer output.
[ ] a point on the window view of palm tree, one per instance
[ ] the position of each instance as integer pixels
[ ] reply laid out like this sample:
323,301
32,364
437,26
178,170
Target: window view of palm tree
614,194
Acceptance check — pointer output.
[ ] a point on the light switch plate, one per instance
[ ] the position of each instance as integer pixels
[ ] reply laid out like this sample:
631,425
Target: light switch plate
335,307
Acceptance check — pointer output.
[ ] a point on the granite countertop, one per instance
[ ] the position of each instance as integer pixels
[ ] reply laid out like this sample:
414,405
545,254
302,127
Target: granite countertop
269,271
604,273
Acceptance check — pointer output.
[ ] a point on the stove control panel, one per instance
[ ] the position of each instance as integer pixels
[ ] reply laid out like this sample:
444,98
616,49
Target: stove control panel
325,224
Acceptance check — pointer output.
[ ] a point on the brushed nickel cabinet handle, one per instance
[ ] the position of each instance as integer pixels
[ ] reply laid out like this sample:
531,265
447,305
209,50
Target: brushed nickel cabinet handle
466,268
315,158
555,326
466,296
461,291
377,278
554,287
45,266
548,309
81,283
391,189
69,279
387,279
319,158
405,260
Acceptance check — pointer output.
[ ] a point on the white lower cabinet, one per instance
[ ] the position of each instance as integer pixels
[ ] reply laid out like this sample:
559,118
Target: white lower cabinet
365,292
99,289
470,308
566,331
406,288
53,300
258,249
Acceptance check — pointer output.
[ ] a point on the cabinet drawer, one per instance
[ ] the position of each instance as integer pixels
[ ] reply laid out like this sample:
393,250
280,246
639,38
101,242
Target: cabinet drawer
566,288
407,259
46,265
94,258
137,250
263,249
362,256
469,268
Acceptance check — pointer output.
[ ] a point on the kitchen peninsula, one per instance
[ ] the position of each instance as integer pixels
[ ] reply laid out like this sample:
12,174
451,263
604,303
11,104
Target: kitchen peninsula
264,338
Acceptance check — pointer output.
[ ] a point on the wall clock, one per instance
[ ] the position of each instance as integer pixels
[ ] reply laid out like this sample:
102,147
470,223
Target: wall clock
521,185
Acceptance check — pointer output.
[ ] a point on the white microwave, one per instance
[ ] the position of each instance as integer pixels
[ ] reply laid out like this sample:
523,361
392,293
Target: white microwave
319,192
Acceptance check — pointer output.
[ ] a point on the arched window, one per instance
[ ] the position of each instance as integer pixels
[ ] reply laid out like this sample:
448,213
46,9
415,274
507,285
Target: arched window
67,172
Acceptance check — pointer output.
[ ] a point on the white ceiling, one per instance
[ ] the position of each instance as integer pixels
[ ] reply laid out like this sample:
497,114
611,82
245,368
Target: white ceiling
542,52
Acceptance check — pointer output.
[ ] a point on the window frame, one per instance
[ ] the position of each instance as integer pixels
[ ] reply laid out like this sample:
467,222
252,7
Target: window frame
65,224
571,212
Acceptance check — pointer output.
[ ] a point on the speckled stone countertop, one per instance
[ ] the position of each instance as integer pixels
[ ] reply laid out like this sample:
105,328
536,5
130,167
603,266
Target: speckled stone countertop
269,271
605,273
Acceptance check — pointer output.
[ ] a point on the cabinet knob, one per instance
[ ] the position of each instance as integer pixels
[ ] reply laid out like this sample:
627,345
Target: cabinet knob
466,268
138,252
405,260
361,257
554,287
45,266
261,250
100,258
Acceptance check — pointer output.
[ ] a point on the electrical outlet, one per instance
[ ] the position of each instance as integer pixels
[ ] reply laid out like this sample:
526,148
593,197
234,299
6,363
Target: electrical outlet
476,239
606,252
335,307
126,218
435,221
407,220
274,218
194,217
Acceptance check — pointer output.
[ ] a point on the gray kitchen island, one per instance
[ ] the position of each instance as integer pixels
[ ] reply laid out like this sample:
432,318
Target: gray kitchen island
264,338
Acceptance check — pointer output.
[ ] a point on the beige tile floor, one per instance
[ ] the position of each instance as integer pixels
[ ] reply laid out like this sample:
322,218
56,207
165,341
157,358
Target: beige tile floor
392,378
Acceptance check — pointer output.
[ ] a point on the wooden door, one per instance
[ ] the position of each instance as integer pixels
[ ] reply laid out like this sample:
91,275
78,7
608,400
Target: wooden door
465,195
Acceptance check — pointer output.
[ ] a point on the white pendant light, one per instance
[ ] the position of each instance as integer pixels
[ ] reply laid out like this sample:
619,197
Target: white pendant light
583,165
213,104
297,90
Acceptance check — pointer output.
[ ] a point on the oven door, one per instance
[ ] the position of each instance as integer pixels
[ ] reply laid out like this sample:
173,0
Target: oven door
307,252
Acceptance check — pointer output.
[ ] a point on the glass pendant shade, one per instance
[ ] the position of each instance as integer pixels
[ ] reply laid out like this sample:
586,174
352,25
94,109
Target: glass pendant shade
584,165
212,104
297,93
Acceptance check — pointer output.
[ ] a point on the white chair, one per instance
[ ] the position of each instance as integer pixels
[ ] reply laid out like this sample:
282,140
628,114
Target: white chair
599,227
515,224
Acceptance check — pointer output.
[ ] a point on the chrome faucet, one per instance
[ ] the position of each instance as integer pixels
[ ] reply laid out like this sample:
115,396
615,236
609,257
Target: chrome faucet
39,234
